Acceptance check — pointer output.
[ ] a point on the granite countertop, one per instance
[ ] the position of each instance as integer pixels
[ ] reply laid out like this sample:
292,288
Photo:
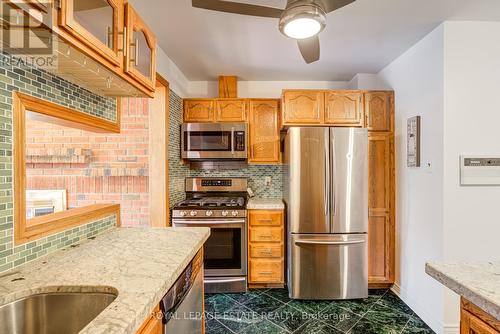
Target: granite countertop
141,264
477,282
265,204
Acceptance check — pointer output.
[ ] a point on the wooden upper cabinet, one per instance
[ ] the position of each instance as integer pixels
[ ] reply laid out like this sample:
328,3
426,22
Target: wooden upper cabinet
344,108
198,110
97,23
264,127
379,109
231,110
303,107
140,54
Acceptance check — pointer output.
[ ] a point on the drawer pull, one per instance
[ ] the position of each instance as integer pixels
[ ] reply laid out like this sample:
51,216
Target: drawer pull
265,220
266,273
264,236
266,252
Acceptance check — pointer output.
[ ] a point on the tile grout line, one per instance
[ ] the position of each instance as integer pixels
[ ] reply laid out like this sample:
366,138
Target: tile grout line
360,318
403,330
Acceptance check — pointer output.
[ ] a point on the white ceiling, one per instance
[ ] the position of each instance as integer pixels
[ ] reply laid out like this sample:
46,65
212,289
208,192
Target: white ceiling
360,38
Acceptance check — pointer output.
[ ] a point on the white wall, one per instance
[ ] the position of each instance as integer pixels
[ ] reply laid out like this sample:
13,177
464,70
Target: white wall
167,69
472,118
264,89
367,81
417,79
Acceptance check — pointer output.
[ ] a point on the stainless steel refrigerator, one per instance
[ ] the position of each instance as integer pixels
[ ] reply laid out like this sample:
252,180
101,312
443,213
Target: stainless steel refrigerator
326,192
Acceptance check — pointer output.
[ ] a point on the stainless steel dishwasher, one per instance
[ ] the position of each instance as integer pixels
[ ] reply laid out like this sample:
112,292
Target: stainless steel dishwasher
182,306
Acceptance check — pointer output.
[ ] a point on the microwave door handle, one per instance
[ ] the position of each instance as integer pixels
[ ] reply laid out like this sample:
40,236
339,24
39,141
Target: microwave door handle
232,141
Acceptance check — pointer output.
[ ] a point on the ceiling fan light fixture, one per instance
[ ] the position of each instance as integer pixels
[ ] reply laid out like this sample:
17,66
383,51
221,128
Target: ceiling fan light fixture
303,21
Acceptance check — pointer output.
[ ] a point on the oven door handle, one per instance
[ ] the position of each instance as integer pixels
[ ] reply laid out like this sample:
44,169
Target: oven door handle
209,222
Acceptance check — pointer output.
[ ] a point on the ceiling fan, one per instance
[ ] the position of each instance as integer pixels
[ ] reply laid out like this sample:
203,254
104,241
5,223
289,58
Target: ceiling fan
302,20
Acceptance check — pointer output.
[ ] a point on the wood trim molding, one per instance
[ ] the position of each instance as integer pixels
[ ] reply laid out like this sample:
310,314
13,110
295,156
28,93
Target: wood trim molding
159,112
29,229
58,114
59,221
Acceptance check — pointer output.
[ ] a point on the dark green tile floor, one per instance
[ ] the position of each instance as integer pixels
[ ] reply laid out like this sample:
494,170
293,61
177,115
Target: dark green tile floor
271,311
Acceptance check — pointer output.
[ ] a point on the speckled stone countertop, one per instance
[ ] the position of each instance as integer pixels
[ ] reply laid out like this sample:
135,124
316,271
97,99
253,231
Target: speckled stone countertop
477,282
265,204
141,264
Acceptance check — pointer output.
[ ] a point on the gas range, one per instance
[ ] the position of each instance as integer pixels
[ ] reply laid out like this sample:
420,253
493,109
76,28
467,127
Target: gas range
220,204
213,198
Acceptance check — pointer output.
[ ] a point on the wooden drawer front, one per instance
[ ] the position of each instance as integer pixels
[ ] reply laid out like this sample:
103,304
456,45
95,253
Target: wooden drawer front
266,271
266,234
266,218
266,251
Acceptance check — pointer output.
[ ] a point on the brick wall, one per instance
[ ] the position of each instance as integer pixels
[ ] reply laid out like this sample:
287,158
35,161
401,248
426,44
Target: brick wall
95,167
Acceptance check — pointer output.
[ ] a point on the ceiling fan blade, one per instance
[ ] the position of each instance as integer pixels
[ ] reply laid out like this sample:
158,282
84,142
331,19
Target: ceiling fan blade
238,8
331,5
309,48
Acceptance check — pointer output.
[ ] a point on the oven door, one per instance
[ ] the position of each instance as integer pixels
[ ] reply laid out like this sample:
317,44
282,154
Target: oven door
225,252
212,141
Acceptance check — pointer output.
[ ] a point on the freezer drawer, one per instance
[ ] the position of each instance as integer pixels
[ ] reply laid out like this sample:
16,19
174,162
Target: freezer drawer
328,266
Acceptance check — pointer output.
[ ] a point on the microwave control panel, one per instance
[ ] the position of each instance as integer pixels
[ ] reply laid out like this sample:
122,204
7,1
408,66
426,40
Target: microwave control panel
239,141
479,170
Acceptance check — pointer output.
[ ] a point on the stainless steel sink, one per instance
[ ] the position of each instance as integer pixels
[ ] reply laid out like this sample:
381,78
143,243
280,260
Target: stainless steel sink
52,313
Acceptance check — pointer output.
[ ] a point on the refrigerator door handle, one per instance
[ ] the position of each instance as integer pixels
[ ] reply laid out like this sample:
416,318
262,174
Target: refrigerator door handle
319,242
327,175
333,183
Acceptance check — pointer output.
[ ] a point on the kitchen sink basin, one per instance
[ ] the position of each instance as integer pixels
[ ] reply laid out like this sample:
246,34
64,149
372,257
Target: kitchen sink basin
52,313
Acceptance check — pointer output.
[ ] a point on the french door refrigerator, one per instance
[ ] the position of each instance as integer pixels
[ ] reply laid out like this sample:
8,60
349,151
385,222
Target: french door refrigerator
326,192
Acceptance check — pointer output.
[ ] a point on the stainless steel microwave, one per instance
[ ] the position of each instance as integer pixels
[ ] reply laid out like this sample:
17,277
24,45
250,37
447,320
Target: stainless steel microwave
214,141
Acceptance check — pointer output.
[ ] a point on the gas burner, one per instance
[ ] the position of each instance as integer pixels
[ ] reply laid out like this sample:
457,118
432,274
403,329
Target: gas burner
203,201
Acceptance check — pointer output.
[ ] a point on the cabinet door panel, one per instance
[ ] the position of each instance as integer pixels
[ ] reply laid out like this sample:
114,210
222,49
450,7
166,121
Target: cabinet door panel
379,111
379,171
231,110
140,58
344,108
378,241
303,107
96,23
380,198
264,132
198,111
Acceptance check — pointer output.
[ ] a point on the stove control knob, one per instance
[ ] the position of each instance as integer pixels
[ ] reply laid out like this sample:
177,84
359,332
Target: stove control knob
224,213
193,213
209,213
183,213
234,213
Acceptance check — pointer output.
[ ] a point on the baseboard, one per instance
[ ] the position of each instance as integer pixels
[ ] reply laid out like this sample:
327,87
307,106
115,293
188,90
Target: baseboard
451,329
421,311
396,289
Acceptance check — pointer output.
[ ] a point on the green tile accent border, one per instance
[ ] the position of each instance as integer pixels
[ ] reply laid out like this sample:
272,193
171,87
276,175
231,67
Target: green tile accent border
47,86
18,255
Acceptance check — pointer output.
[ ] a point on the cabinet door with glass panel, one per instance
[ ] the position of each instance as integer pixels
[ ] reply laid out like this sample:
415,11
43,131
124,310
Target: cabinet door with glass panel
96,23
140,58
